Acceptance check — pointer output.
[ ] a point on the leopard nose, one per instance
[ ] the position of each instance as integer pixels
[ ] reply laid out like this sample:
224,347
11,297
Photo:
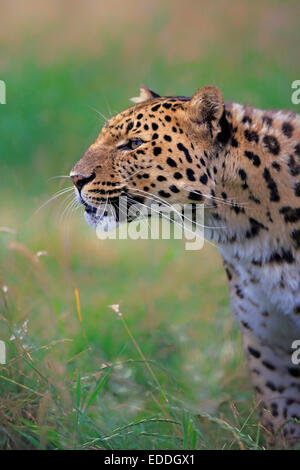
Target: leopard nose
80,180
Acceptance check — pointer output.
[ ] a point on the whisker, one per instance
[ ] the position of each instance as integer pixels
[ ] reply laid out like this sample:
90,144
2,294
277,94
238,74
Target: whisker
216,198
108,108
159,213
169,219
65,217
55,196
74,207
98,112
169,205
103,212
58,176
67,198
68,206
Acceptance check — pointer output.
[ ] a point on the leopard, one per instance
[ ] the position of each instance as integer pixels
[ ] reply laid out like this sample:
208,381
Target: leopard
242,164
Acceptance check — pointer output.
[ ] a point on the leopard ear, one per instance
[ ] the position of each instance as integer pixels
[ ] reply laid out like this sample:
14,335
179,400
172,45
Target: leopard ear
206,108
145,95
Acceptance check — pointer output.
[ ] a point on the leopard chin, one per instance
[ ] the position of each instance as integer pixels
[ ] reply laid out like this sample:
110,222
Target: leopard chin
104,223
107,224
97,218
91,218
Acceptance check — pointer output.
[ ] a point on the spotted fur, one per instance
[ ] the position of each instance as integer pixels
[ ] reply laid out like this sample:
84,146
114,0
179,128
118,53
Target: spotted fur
243,164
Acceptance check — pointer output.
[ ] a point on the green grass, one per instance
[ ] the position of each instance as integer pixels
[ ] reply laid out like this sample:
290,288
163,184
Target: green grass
84,384
72,384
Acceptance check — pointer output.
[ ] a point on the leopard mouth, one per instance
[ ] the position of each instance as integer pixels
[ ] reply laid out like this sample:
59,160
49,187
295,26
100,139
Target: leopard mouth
110,213
100,218
91,216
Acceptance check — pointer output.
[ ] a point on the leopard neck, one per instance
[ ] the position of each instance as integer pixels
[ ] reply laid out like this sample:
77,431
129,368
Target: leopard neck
248,177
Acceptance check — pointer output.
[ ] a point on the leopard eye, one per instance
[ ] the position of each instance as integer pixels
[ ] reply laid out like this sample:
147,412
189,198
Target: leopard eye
131,144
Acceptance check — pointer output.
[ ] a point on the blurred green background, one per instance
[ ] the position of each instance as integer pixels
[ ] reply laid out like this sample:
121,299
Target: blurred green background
79,380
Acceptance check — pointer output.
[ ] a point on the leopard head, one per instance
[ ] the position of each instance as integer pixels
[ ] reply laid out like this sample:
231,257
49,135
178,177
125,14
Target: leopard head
160,149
